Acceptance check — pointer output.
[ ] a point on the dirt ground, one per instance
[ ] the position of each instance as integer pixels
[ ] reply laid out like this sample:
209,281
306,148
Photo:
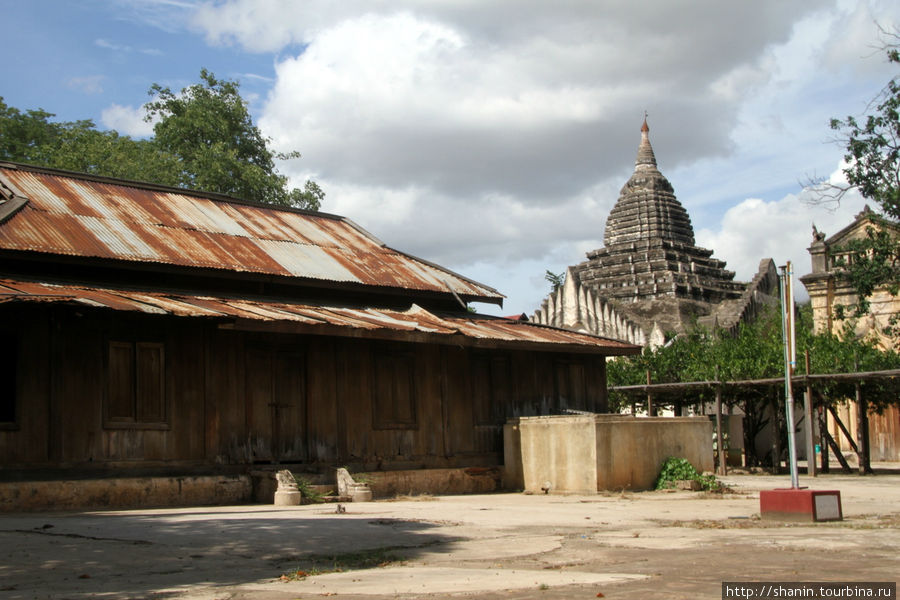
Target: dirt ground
511,546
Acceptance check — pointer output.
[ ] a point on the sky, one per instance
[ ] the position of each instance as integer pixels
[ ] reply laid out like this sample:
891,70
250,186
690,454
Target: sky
493,137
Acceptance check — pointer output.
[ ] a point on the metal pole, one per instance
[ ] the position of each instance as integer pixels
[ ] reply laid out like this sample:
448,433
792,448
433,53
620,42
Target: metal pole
787,334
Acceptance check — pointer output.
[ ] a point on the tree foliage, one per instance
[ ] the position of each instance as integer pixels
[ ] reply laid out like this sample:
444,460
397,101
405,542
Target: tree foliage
756,352
556,280
208,128
204,139
31,137
873,168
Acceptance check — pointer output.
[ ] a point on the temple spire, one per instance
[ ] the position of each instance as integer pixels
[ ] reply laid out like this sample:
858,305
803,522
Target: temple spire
645,157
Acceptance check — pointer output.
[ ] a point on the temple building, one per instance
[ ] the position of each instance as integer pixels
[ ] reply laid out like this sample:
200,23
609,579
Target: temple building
651,278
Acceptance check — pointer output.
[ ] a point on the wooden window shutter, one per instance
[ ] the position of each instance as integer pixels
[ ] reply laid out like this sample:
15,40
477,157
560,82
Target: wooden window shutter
150,382
120,386
8,368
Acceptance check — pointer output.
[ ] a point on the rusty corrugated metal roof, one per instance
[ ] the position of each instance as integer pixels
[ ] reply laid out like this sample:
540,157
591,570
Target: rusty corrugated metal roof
308,317
86,216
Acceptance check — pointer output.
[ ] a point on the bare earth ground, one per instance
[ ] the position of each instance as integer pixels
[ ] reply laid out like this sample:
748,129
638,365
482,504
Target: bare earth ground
626,545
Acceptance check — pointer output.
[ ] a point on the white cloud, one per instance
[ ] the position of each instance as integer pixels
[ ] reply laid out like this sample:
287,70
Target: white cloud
167,15
126,120
780,229
493,137
125,48
92,84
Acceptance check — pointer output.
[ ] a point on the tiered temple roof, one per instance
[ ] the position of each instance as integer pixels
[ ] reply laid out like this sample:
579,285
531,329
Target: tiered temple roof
650,277
649,245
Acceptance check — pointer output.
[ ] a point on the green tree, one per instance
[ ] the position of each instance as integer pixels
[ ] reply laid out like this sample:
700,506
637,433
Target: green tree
204,139
24,136
873,168
755,351
208,127
31,137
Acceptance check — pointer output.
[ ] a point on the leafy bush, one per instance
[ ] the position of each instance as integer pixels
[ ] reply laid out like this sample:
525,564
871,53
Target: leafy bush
677,469
308,492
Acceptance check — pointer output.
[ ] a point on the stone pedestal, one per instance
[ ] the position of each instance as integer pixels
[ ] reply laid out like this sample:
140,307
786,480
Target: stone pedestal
287,494
288,497
359,492
346,486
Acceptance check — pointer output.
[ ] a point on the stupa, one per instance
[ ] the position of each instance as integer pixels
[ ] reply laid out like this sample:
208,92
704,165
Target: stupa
650,271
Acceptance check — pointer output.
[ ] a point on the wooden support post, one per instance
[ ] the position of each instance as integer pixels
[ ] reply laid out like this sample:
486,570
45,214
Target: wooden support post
810,425
823,431
651,412
720,435
837,452
776,434
862,433
843,429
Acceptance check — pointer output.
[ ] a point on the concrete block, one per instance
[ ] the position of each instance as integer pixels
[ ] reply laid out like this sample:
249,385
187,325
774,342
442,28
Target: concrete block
800,505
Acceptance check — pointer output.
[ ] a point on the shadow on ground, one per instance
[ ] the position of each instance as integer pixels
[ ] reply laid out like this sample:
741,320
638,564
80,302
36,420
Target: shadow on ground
143,555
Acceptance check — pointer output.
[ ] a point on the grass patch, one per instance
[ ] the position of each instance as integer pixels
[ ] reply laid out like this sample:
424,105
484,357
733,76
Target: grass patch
889,521
320,564
412,498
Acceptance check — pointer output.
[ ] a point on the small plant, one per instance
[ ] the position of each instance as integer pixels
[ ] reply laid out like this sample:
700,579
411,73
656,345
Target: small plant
679,469
319,564
308,492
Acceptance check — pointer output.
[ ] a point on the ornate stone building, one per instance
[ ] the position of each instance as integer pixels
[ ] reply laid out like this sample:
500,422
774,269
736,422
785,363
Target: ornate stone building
650,277
828,289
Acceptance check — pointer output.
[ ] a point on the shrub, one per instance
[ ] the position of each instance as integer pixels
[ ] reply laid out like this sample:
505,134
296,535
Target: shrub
677,469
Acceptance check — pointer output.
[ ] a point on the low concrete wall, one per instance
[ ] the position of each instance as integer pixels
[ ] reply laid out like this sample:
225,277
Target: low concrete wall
387,484
631,451
124,492
476,480
588,453
257,486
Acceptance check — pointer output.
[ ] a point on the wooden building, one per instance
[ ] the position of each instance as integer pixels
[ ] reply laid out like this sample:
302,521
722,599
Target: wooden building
145,327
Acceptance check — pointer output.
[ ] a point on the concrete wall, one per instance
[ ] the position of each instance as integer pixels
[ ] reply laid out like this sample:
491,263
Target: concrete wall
560,450
123,492
387,484
631,451
588,453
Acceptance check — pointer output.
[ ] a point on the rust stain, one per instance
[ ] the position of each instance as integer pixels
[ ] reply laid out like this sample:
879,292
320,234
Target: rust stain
84,216
415,319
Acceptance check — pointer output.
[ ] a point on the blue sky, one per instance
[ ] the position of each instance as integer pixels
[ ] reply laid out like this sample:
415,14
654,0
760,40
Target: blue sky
495,146
76,59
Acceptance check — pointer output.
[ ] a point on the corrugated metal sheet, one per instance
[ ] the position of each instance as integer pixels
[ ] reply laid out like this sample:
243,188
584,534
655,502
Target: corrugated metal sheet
93,217
416,319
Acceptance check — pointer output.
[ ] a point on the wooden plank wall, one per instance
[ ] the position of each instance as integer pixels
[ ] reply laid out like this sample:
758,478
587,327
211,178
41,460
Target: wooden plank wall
234,397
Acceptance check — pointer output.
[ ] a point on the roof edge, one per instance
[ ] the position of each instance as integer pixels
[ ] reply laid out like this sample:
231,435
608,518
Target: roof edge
498,299
156,187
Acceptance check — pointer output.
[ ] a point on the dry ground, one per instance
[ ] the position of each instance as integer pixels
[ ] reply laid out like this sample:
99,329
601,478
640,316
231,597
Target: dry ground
623,545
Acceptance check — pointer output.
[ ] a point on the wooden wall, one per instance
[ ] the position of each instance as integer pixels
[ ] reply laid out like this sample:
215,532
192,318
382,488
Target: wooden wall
232,397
